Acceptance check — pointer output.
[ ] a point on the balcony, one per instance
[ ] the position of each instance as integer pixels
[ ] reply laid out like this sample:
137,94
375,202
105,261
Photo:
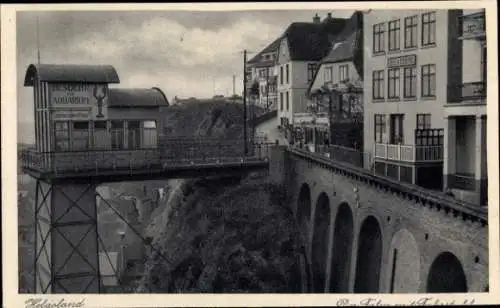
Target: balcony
468,92
473,26
409,153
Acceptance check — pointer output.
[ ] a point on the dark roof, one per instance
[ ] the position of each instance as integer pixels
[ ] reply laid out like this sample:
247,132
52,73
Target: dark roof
342,51
137,98
71,73
311,41
270,48
348,45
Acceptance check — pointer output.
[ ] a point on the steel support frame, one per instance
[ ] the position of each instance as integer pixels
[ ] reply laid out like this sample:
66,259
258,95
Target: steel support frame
66,239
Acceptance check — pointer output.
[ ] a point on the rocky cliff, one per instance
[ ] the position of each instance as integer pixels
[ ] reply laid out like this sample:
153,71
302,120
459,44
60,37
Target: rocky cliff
223,234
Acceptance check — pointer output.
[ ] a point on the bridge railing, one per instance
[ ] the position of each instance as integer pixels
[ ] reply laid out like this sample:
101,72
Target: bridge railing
169,153
342,154
429,197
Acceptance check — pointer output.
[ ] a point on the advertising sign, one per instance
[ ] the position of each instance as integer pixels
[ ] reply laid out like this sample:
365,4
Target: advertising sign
78,101
409,60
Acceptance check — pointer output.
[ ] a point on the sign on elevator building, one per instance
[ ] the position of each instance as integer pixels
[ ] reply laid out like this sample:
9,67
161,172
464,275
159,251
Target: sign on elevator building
78,101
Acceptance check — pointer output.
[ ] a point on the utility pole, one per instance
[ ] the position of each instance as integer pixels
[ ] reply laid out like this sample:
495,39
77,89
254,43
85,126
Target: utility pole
267,89
38,38
234,80
245,102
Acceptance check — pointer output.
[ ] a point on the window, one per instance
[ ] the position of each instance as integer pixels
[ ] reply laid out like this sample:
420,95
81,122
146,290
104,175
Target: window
328,74
61,132
149,134
101,137
394,34
411,31
134,134
80,135
281,101
410,82
423,121
117,135
428,29
393,83
343,72
428,80
378,84
287,100
379,128
311,70
287,74
378,38
263,73
397,135
281,74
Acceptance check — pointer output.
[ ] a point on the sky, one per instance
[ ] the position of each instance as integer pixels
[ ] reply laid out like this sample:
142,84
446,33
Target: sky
184,53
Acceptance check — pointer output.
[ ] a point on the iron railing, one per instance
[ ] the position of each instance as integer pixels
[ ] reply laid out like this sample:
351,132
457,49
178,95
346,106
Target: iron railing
409,153
171,153
469,91
340,154
412,191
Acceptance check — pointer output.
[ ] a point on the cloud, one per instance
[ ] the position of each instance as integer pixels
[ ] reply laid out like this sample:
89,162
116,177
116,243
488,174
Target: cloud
184,53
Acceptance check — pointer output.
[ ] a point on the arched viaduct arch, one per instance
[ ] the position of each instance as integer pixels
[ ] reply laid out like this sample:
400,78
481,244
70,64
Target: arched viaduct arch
303,213
404,263
446,275
342,249
369,257
320,242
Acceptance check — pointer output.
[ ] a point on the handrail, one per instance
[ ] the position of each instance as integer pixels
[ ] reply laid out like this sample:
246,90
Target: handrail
171,155
416,192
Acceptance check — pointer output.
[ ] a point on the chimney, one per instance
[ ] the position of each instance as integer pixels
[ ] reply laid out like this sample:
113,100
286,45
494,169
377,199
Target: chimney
329,15
316,19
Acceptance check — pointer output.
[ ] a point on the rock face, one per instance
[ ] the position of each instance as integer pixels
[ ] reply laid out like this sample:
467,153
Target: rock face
223,236
220,235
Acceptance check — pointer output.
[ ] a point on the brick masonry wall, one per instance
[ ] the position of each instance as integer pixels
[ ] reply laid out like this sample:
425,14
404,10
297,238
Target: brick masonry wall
433,232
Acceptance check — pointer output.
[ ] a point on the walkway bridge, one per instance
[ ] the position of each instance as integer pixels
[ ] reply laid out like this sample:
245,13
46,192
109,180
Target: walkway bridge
172,158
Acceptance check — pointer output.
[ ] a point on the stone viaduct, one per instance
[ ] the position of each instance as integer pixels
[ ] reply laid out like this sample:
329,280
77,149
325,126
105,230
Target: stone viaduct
367,234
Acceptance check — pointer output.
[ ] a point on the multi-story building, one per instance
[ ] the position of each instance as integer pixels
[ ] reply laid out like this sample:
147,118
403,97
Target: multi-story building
264,73
335,93
413,56
303,44
465,171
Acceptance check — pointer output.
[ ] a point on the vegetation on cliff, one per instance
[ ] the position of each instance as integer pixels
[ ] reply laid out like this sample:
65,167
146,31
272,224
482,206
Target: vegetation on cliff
224,236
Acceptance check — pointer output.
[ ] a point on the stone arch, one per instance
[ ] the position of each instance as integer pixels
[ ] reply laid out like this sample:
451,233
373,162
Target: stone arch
342,249
404,261
303,213
320,242
446,275
369,257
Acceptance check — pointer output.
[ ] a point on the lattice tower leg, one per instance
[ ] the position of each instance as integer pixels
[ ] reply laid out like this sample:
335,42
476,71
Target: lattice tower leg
66,242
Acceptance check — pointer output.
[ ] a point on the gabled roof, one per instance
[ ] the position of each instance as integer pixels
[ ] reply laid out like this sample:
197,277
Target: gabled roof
270,48
311,41
347,46
71,73
137,98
